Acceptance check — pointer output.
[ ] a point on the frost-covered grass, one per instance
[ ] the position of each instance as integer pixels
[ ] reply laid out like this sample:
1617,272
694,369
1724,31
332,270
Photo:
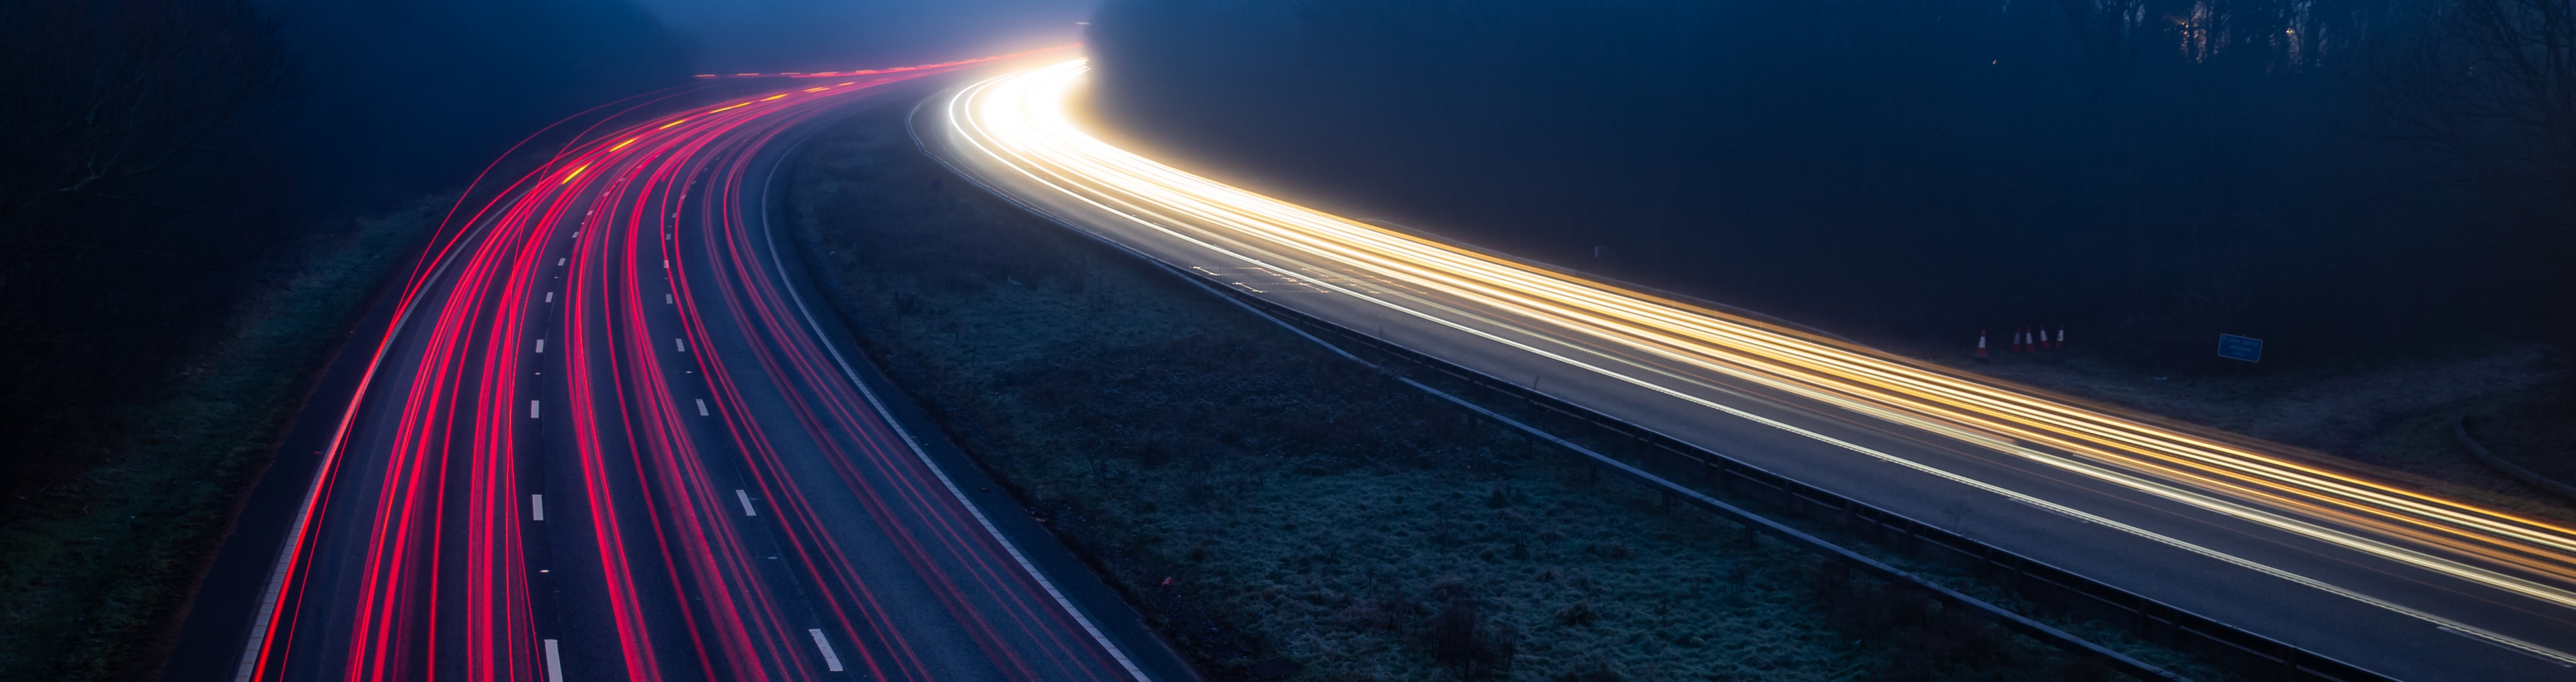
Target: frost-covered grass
1282,512
92,571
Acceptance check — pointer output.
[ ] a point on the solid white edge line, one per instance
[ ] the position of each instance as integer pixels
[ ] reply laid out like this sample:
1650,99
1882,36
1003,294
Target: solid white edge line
2493,637
536,507
746,503
294,540
824,644
554,662
770,236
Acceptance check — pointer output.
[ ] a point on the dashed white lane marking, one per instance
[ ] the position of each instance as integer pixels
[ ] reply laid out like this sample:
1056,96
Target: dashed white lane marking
532,409
914,444
541,345
550,297
666,298
746,503
560,261
678,346
536,507
554,663
702,407
830,660
666,263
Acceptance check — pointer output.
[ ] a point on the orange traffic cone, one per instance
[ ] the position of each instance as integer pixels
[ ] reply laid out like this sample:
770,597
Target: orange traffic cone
1981,346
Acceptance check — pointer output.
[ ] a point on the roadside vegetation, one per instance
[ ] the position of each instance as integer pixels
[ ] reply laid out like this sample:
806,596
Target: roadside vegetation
199,198
93,569
1283,513
2350,180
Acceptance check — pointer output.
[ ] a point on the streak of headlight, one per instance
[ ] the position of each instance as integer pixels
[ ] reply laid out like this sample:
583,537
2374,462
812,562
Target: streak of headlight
1024,120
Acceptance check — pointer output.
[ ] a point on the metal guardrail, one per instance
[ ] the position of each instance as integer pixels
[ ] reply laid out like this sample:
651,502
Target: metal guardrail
2256,656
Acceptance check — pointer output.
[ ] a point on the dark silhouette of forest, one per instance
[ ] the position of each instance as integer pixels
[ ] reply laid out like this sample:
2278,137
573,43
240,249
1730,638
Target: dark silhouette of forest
2349,179
167,157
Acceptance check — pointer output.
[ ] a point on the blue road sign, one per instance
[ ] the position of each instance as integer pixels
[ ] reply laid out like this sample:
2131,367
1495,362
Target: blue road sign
2244,348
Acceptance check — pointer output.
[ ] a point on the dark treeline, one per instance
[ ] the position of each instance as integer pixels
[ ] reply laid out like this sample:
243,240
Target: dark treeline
2347,178
168,157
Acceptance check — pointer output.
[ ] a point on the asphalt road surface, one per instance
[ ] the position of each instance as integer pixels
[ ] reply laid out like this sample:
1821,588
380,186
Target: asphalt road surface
604,433
2263,537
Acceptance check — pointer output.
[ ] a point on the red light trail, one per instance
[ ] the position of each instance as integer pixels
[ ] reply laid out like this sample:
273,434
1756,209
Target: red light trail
685,379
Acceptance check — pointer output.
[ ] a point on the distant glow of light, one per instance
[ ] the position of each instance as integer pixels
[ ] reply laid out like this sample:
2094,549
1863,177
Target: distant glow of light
472,302
1024,121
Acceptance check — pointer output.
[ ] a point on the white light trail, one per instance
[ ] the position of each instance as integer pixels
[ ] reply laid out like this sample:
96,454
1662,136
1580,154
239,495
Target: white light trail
1023,121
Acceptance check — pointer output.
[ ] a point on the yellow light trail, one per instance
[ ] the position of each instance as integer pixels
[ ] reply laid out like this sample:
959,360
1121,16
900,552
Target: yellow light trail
1024,121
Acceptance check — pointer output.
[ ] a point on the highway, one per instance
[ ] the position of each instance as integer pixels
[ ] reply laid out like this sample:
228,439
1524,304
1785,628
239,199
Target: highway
606,434
2285,544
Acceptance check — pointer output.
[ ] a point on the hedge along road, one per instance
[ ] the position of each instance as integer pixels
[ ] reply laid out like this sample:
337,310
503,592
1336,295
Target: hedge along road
603,436
2252,534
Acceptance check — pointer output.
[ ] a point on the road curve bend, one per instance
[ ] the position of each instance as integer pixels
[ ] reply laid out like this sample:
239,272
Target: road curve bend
606,436
2252,534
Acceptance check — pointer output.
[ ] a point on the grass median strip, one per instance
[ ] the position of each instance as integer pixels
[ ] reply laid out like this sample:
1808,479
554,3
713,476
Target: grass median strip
1281,512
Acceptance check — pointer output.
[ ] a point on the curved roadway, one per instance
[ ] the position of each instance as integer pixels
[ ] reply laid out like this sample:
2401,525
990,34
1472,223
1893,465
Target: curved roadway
2262,537
607,437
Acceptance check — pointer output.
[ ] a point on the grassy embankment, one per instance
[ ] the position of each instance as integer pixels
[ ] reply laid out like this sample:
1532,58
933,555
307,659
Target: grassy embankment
92,572
1304,509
